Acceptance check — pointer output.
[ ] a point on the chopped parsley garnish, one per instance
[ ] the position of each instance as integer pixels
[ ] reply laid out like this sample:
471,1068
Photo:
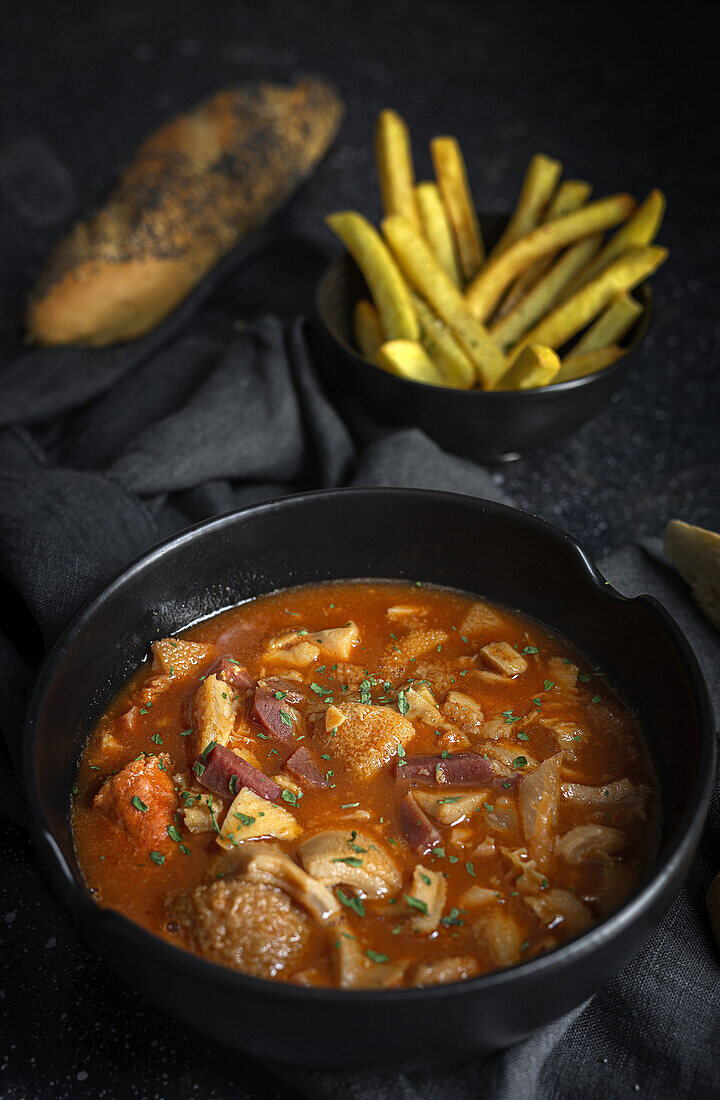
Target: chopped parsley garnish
470,869
453,918
401,756
510,717
285,718
289,796
244,819
529,649
595,699
185,733
198,768
549,684
403,705
157,857
207,750
280,694
416,903
375,956
439,852
139,805
450,798
522,736
352,861
174,834
349,805
157,739
520,762
488,807
352,903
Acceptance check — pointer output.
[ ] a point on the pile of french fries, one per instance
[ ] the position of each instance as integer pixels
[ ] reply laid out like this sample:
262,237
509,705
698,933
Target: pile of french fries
446,313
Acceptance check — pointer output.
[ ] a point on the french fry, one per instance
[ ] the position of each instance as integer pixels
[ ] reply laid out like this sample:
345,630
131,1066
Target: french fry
490,284
535,366
610,326
545,294
408,359
424,273
452,180
387,286
367,328
579,366
393,154
640,230
573,315
443,348
437,229
570,195
536,192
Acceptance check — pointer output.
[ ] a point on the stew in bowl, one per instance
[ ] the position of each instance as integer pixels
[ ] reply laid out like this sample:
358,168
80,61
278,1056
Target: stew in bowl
366,785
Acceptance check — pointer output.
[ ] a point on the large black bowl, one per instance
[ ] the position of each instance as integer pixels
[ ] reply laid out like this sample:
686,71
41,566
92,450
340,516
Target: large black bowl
483,426
470,544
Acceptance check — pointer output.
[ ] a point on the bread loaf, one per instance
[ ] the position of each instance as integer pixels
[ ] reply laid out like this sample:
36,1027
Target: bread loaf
695,553
193,189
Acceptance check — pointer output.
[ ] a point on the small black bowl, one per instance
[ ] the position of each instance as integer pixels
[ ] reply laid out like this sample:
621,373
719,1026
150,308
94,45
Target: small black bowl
487,427
469,544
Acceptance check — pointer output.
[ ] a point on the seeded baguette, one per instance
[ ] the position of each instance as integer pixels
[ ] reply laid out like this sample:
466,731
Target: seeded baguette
193,189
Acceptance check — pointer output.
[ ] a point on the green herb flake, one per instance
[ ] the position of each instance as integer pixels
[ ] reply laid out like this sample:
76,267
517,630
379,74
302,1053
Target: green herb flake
174,834
285,718
157,739
185,733
157,857
352,861
522,736
453,918
450,798
375,956
529,649
416,903
244,819
470,869
549,684
289,796
352,903
520,762
139,805
403,705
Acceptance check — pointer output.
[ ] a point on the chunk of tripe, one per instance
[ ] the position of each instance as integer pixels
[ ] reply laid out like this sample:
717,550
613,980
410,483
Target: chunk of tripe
177,657
501,657
201,812
333,718
214,711
251,817
425,899
449,809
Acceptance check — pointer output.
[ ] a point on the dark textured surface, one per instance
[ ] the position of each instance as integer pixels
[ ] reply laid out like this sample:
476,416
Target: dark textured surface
624,106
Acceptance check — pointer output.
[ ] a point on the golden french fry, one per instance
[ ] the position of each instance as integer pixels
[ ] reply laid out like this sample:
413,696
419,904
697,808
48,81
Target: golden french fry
640,230
424,273
443,348
535,366
578,366
537,189
452,180
574,314
570,195
408,359
393,154
544,295
437,229
490,284
611,325
389,290
367,328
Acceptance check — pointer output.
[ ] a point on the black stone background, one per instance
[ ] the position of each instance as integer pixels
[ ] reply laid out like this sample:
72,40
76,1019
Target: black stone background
625,95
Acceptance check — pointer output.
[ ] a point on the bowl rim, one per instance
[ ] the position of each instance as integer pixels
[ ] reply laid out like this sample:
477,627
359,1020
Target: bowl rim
641,327
76,898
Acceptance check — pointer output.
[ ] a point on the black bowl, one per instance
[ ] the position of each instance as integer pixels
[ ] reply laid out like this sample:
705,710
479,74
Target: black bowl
483,426
470,544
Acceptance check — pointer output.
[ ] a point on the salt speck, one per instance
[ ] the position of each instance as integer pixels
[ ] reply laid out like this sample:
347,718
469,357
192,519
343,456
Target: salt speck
82,1075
